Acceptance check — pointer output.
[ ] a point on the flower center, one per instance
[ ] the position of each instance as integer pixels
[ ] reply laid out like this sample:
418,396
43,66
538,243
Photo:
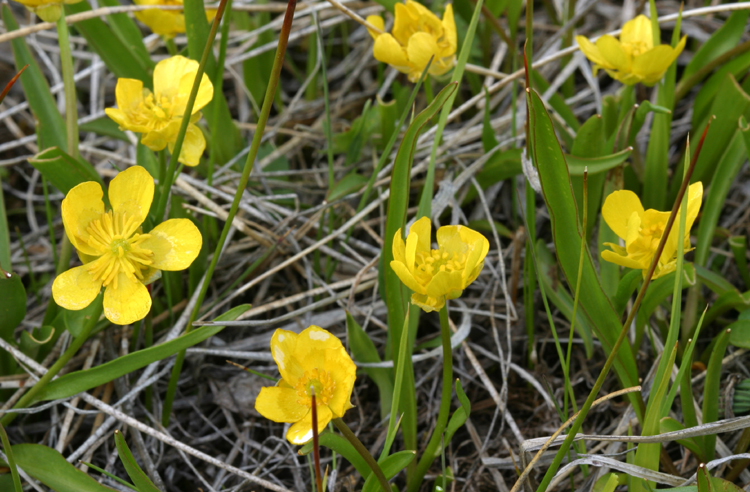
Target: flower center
318,381
428,265
636,48
114,236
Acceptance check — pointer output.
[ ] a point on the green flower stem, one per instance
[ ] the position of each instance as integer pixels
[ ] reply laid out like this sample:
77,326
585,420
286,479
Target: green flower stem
623,333
362,450
28,398
66,62
166,186
273,83
430,451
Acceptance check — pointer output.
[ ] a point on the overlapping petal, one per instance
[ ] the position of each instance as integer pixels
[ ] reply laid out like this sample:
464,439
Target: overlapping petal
75,289
82,205
126,301
132,192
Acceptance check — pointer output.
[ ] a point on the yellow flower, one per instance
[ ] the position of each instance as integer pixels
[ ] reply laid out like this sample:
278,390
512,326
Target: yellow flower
166,23
157,116
642,230
315,361
633,58
417,35
438,274
47,10
115,253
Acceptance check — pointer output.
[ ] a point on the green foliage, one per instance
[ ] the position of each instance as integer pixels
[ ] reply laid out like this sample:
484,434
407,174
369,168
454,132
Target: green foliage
62,170
363,350
139,478
13,307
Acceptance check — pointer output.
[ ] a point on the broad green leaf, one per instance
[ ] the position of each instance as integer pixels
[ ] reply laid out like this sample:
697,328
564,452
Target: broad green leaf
668,424
740,334
129,34
714,281
119,58
62,170
606,483
139,478
31,342
589,144
458,418
16,481
75,320
104,126
556,101
50,124
340,445
49,467
390,466
711,389
363,350
13,305
730,299
350,183
722,40
566,232
77,381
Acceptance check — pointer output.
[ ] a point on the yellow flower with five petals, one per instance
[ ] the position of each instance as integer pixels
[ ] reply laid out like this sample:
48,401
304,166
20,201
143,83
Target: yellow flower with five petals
417,36
157,115
643,229
438,274
313,361
633,58
165,23
115,253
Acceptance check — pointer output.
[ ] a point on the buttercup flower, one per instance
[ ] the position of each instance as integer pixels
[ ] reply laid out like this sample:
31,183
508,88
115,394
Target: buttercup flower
417,35
157,116
315,361
47,10
115,253
633,58
642,230
438,274
166,23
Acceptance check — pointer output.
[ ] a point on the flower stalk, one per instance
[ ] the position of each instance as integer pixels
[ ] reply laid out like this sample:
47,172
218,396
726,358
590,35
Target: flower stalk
273,83
362,450
75,345
69,86
431,450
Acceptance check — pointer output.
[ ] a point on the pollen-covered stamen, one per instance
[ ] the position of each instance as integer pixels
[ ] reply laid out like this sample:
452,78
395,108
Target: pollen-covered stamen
318,381
439,261
635,48
114,236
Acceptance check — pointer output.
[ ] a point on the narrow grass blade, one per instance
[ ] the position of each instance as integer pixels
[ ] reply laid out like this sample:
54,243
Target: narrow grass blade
139,478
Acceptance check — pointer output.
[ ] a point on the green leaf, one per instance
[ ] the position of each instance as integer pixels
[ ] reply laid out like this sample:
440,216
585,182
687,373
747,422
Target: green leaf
711,390
119,58
658,292
722,40
50,125
740,334
139,478
11,462
62,170
340,445
4,234
596,165
363,350
566,232
390,466
350,183
129,34
77,381
458,418
625,290
106,127
49,467
606,483
668,424
13,305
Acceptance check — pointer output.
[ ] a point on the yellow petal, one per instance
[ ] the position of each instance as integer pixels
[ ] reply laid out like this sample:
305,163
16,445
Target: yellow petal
387,50
591,51
118,116
621,260
283,344
638,31
131,192
82,204
423,229
314,345
167,23
75,288
175,244
127,302
280,404
129,95
617,209
412,242
343,371
205,90
449,28
626,78
449,239
479,247
399,248
405,23
301,432
420,49
613,54
168,74
406,277
651,65
192,147
428,304
443,283
154,140
375,21
695,197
